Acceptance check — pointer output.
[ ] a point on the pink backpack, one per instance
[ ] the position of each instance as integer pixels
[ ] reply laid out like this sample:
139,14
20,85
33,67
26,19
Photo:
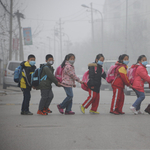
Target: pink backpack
131,74
58,74
85,79
111,74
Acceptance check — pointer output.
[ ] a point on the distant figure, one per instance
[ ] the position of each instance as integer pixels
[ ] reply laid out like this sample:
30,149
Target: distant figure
25,83
68,81
94,83
141,76
118,85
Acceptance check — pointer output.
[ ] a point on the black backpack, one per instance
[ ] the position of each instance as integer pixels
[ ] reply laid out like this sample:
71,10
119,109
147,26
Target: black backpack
36,76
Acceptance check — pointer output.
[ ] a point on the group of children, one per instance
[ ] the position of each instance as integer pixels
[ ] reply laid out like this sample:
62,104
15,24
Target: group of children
67,78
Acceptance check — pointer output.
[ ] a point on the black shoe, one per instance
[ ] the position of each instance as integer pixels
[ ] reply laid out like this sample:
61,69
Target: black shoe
27,113
22,113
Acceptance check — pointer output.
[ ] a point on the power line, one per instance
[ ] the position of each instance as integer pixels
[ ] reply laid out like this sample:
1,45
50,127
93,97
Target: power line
77,15
73,14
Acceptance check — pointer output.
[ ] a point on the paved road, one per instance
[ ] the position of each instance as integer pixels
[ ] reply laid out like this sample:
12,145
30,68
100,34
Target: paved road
56,131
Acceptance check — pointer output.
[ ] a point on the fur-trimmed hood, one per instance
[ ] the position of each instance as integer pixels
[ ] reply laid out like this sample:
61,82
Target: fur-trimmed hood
92,65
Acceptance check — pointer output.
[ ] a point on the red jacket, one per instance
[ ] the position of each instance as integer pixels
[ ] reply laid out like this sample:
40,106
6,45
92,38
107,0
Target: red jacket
121,76
141,76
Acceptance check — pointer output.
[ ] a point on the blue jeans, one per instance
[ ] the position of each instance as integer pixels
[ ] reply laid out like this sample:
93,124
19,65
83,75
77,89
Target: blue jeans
140,98
26,99
67,103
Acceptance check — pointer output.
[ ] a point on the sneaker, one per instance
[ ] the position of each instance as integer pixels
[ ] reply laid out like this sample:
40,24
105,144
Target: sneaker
122,113
60,109
111,112
47,110
26,113
115,112
139,112
133,109
40,112
69,113
93,112
82,109
22,113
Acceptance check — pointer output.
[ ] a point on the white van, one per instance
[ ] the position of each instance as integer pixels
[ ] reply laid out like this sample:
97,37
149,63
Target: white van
9,74
107,64
128,90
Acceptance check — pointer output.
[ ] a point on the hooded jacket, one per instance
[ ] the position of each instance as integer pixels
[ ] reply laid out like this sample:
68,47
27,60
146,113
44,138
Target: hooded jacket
121,76
68,75
25,81
95,74
48,70
141,76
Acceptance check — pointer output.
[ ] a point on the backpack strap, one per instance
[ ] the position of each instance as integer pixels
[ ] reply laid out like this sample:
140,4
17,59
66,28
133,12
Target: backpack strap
118,75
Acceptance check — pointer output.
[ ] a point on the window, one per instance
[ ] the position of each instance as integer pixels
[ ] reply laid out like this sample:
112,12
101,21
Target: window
13,65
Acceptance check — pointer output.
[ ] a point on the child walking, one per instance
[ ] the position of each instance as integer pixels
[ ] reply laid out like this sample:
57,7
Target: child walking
68,81
25,83
118,85
95,74
46,86
141,76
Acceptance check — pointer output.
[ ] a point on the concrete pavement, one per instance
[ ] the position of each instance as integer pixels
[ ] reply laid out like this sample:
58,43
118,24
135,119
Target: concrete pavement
57,131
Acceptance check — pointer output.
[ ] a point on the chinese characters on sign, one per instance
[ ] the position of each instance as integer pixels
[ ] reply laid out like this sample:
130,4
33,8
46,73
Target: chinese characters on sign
27,36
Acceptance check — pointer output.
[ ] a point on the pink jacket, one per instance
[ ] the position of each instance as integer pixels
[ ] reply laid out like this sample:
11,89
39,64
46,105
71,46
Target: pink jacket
68,75
141,76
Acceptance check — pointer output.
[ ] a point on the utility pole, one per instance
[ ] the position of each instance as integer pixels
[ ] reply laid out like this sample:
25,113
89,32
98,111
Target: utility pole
49,44
126,45
60,34
54,44
10,30
92,22
21,53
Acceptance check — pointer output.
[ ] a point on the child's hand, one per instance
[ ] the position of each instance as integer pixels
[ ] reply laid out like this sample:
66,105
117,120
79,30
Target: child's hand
33,87
81,82
74,86
59,84
130,86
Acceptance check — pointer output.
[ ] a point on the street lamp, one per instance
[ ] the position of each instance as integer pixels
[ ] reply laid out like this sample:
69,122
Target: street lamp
102,36
83,5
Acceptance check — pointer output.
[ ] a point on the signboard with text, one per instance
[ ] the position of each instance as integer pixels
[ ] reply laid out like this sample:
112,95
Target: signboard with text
27,36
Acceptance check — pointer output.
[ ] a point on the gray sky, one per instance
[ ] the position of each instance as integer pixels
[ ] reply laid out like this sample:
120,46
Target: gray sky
45,13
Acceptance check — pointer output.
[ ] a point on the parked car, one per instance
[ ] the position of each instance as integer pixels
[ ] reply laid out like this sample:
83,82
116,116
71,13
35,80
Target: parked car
107,64
9,74
128,90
